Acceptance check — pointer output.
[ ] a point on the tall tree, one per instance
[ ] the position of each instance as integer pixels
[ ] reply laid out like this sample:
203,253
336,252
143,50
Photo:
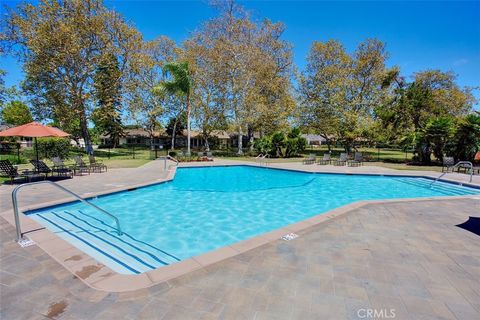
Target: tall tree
106,116
248,66
3,89
175,127
61,44
146,103
180,84
208,113
16,113
339,92
414,106
323,89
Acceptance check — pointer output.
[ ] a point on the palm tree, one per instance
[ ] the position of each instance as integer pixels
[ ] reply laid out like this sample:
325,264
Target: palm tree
180,83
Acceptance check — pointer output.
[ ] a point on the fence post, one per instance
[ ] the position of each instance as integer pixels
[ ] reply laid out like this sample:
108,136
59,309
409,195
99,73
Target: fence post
378,154
133,149
18,152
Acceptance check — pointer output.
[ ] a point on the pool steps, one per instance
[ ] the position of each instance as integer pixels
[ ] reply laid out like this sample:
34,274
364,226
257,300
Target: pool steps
450,190
124,253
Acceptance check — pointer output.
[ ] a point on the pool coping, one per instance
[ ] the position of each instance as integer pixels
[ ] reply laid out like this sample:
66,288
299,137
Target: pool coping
101,277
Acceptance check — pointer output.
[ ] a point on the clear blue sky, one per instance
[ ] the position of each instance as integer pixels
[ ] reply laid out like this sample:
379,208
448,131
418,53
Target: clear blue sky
419,35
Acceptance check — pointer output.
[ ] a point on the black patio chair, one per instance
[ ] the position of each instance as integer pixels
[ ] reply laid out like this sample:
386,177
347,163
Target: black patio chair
80,166
448,163
96,166
8,170
42,167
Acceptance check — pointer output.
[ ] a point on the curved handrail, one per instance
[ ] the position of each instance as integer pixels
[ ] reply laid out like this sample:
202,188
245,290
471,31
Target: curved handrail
456,165
173,159
262,157
16,213
169,157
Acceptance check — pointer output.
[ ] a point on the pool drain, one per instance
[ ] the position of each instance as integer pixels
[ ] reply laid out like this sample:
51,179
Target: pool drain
26,242
290,236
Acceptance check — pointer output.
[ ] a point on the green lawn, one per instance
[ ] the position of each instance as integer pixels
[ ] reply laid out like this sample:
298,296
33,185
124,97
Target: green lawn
114,158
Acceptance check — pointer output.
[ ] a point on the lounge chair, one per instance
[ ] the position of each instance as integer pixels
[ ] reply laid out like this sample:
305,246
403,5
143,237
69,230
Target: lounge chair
8,170
96,166
60,166
41,167
310,159
209,156
357,160
448,163
342,161
80,166
201,156
58,163
327,159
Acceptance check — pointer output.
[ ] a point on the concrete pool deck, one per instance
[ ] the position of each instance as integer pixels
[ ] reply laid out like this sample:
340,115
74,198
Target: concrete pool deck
403,255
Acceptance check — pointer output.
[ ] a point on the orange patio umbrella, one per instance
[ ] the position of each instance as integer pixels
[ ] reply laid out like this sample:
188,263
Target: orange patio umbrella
33,130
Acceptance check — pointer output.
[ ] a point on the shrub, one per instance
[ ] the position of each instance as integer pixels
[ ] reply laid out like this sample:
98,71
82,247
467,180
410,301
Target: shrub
282,145
294,146
466,141
295,143
53,147
278,142
263,145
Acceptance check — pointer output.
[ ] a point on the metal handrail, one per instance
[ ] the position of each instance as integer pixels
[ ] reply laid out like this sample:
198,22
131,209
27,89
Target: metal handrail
173,159
169,157
16,213
460,163
262,157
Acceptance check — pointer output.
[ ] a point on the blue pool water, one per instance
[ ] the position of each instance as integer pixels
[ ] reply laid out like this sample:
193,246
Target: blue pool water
207,208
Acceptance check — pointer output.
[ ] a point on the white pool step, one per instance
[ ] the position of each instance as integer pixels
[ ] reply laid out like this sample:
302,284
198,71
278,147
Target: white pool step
445,188
91,234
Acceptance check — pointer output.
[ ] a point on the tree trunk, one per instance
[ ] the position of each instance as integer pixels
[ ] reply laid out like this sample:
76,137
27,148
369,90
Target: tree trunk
188,126
172,147
207,145
240,142
85,133
425,153
250,138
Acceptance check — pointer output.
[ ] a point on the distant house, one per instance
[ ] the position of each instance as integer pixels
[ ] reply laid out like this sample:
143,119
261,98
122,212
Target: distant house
218,138
137,137
314,139
141,137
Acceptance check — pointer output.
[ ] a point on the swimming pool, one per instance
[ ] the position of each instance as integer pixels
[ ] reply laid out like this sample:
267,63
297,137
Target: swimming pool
206,208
